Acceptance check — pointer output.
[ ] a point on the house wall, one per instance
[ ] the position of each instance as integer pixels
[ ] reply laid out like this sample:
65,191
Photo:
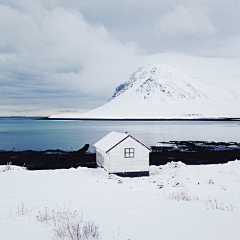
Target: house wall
102,159
118,162
99,159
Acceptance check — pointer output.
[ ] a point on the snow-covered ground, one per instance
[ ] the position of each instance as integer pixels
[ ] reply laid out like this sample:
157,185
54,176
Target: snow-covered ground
177,201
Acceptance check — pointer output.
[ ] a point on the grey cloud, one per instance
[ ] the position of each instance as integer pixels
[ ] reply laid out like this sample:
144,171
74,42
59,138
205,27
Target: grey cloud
58,55
187,21
78,50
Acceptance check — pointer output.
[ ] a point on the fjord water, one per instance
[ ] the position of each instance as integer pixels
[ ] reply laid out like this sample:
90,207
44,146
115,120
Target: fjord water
22,133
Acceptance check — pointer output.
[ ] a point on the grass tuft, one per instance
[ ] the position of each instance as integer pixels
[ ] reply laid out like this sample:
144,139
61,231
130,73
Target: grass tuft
68,225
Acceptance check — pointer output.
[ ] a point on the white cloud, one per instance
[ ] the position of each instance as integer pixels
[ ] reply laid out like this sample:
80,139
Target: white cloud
59,52
228,47
187,21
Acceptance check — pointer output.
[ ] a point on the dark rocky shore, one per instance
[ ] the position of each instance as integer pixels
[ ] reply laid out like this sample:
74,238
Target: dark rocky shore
195,152
188,152
49,159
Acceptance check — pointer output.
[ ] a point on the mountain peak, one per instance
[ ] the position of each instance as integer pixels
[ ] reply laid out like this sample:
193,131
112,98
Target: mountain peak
165,81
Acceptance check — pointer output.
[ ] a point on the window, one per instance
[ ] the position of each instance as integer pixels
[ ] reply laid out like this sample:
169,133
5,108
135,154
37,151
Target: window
129,152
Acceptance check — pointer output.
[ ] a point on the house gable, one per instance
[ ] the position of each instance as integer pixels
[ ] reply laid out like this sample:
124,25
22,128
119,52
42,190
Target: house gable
138,162
125,139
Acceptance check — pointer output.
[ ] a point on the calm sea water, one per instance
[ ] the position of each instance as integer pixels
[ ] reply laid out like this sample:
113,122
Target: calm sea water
31,134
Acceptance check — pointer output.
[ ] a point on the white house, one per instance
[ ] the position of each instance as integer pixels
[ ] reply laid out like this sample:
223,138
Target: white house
123,155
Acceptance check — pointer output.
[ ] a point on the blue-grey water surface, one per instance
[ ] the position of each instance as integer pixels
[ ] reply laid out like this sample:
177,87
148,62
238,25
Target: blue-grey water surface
20,133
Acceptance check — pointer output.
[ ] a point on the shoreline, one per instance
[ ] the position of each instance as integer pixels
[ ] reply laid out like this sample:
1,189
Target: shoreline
142,119
188,152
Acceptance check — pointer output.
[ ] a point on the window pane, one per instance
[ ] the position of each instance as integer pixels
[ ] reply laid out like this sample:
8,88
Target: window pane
129,152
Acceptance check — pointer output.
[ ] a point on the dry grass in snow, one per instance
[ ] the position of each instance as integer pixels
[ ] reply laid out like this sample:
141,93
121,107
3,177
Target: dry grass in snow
176,201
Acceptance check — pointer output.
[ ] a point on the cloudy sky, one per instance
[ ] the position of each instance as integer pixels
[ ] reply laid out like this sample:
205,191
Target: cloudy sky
60,56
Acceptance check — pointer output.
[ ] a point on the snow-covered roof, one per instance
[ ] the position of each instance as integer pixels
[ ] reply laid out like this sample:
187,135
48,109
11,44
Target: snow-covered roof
113,139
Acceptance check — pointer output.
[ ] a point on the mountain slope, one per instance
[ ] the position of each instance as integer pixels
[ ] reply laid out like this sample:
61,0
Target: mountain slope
163,91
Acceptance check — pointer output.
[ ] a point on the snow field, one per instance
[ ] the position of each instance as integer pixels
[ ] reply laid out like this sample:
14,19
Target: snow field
177,201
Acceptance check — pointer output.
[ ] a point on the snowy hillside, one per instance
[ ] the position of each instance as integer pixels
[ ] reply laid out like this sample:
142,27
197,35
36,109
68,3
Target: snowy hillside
163,91
176,201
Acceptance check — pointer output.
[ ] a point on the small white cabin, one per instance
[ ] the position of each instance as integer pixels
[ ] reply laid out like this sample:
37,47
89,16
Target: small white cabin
123,155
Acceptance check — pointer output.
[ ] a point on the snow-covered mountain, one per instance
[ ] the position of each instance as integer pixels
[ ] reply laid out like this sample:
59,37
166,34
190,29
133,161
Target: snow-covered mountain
163,91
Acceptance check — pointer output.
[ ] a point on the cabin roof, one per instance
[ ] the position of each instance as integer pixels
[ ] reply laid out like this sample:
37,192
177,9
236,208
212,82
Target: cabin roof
112,139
